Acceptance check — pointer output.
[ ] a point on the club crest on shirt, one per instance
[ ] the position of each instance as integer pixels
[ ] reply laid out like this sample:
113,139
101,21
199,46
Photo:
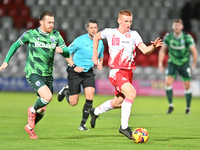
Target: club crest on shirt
37,83
52,39
127,35
115,41
182,41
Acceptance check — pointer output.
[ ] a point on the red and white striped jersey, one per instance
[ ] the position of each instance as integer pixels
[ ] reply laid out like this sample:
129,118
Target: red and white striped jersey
122,47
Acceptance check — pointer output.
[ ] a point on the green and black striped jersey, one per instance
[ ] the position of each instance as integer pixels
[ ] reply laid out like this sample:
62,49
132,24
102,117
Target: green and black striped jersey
178,47
40,50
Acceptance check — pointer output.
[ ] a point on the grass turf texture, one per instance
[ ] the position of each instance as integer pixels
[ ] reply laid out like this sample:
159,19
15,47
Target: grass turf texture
58,129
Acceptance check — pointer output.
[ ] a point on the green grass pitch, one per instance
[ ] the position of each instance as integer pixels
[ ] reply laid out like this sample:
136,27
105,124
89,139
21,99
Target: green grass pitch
58,130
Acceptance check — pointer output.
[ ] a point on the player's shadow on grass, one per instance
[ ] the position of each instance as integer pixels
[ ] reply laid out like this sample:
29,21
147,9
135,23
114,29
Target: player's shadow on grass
93,136
85,137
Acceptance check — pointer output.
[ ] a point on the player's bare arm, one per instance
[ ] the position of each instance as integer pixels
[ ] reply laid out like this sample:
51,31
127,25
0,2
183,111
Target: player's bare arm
161,57
100,64
149,49
194,54
96,39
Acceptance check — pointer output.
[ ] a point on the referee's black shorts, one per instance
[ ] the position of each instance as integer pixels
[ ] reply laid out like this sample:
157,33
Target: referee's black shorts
75,80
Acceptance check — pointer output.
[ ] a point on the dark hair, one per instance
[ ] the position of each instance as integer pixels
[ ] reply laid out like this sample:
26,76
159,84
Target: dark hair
90,21
45,13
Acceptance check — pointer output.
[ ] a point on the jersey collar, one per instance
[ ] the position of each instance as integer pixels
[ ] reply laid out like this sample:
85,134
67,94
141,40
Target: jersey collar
178,37
42,32
125,32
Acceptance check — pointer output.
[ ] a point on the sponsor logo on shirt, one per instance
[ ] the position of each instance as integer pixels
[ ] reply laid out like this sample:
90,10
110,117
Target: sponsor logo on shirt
125,42
115,41
43,45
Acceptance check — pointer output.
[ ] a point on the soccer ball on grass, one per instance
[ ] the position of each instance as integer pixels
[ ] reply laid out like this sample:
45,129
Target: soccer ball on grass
140,135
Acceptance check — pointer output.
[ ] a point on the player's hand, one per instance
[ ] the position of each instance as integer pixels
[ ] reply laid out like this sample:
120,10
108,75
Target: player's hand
157,43
160,66
95,60
99,67
78,69
3,66
59,50
193,66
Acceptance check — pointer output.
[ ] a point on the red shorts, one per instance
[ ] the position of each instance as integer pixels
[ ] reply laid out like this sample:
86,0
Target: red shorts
118,77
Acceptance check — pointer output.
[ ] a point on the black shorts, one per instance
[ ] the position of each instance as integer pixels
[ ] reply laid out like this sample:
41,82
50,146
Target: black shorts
75,80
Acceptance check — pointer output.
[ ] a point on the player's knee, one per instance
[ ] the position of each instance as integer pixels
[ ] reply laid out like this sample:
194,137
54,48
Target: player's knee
48,97
116,105
73,103
132,95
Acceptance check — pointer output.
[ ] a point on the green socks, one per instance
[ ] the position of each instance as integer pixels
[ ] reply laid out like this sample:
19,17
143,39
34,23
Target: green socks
188,97
40,103
169,93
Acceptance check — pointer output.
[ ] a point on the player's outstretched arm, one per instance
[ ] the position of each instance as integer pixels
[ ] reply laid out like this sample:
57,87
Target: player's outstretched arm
10,53
149,49
3,66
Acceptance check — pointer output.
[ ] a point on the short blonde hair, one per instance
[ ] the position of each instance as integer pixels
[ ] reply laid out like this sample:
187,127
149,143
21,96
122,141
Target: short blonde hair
124,12
178,21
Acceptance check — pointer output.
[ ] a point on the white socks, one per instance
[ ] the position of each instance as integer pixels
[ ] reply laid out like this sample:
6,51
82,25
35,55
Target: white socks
33,110
106,106
125,112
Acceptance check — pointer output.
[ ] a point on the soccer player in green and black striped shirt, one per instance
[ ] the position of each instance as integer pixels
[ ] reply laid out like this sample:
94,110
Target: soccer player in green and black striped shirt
41,47
179,45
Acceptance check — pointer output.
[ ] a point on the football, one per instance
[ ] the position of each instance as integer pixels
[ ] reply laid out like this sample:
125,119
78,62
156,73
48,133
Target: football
140,135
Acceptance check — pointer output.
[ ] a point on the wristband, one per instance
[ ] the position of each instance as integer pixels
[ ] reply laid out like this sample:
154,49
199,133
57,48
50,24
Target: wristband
73,66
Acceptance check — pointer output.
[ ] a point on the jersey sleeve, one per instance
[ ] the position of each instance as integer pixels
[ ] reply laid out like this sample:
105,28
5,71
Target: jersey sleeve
73,47
61,42
12,50
190,41
165,39
24,38
104,33
138,38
